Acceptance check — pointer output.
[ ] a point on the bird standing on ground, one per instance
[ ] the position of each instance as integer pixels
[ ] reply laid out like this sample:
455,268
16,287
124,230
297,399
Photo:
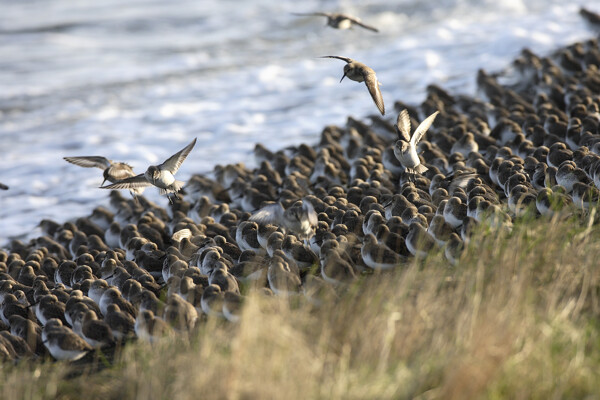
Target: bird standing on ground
359,72
405,148
161,176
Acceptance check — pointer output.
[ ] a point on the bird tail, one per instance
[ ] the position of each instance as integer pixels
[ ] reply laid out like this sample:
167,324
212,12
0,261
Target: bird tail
174,188
420,168
177,185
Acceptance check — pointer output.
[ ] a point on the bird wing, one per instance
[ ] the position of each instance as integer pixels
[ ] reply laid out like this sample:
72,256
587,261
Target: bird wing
90,161
403,125
173,163
348,60
322,14
310,212
358,22
138,181
119,171
373,86
422,128
269,214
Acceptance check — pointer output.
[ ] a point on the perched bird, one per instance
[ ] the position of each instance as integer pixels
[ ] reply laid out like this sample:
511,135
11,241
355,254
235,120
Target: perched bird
113,171
359,72
405,148
300,218
340,21
161,176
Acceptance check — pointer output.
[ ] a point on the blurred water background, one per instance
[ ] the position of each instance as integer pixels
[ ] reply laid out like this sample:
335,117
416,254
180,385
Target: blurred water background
136,80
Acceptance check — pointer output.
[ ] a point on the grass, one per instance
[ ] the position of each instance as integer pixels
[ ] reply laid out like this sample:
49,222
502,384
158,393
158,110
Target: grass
517,318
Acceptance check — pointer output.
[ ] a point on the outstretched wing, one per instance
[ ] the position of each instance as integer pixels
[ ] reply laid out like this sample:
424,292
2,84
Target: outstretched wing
403,125
422,128
358,22
373,86
120,171
348,60
321,14
308,208
135,182
269,214
173,163
90,161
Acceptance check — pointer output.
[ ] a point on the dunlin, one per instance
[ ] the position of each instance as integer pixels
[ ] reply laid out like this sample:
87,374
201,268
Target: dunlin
62,342
212,301
405,148
94,331
161,176
150,328
378,256
340,21
121,324
359,72
300,218
113,171
282,281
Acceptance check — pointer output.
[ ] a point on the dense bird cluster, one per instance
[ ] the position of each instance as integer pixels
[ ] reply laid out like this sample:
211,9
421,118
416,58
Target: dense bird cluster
310,220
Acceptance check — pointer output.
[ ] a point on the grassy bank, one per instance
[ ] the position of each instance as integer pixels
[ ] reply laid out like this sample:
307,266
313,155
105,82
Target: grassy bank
518,317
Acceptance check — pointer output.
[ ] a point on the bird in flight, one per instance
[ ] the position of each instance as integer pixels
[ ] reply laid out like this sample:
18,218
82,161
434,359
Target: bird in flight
300,218
359,72
405,148
113,171
340,21
161,176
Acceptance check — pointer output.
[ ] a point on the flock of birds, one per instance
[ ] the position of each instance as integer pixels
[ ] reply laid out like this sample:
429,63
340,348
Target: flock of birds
310,220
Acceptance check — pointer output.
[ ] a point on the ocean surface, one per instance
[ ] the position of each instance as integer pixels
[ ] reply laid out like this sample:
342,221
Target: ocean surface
136,81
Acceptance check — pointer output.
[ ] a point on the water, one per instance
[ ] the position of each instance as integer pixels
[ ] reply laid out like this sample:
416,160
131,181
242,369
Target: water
135,81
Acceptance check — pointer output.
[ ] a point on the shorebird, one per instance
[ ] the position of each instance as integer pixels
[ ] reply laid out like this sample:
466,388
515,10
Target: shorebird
300,218
405,148
359,72
339,21
161,176
62,342
113,171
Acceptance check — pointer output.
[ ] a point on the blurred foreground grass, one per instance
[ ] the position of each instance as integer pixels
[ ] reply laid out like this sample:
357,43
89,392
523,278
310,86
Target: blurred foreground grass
517,318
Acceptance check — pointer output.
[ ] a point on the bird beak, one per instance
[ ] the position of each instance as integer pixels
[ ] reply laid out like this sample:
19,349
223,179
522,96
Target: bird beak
102,184
343,77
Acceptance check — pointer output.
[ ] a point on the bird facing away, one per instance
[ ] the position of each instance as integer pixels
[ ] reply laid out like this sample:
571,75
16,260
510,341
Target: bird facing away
113,171
161,176
339,21
359,72
405,148
300,218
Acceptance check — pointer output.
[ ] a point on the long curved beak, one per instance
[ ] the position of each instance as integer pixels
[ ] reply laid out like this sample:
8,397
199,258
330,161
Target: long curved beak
343,77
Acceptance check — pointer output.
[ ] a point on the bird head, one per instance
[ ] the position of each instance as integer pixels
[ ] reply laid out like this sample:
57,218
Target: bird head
153,173
346,70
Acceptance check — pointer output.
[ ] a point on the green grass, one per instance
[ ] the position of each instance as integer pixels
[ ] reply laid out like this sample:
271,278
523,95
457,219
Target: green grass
516,318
